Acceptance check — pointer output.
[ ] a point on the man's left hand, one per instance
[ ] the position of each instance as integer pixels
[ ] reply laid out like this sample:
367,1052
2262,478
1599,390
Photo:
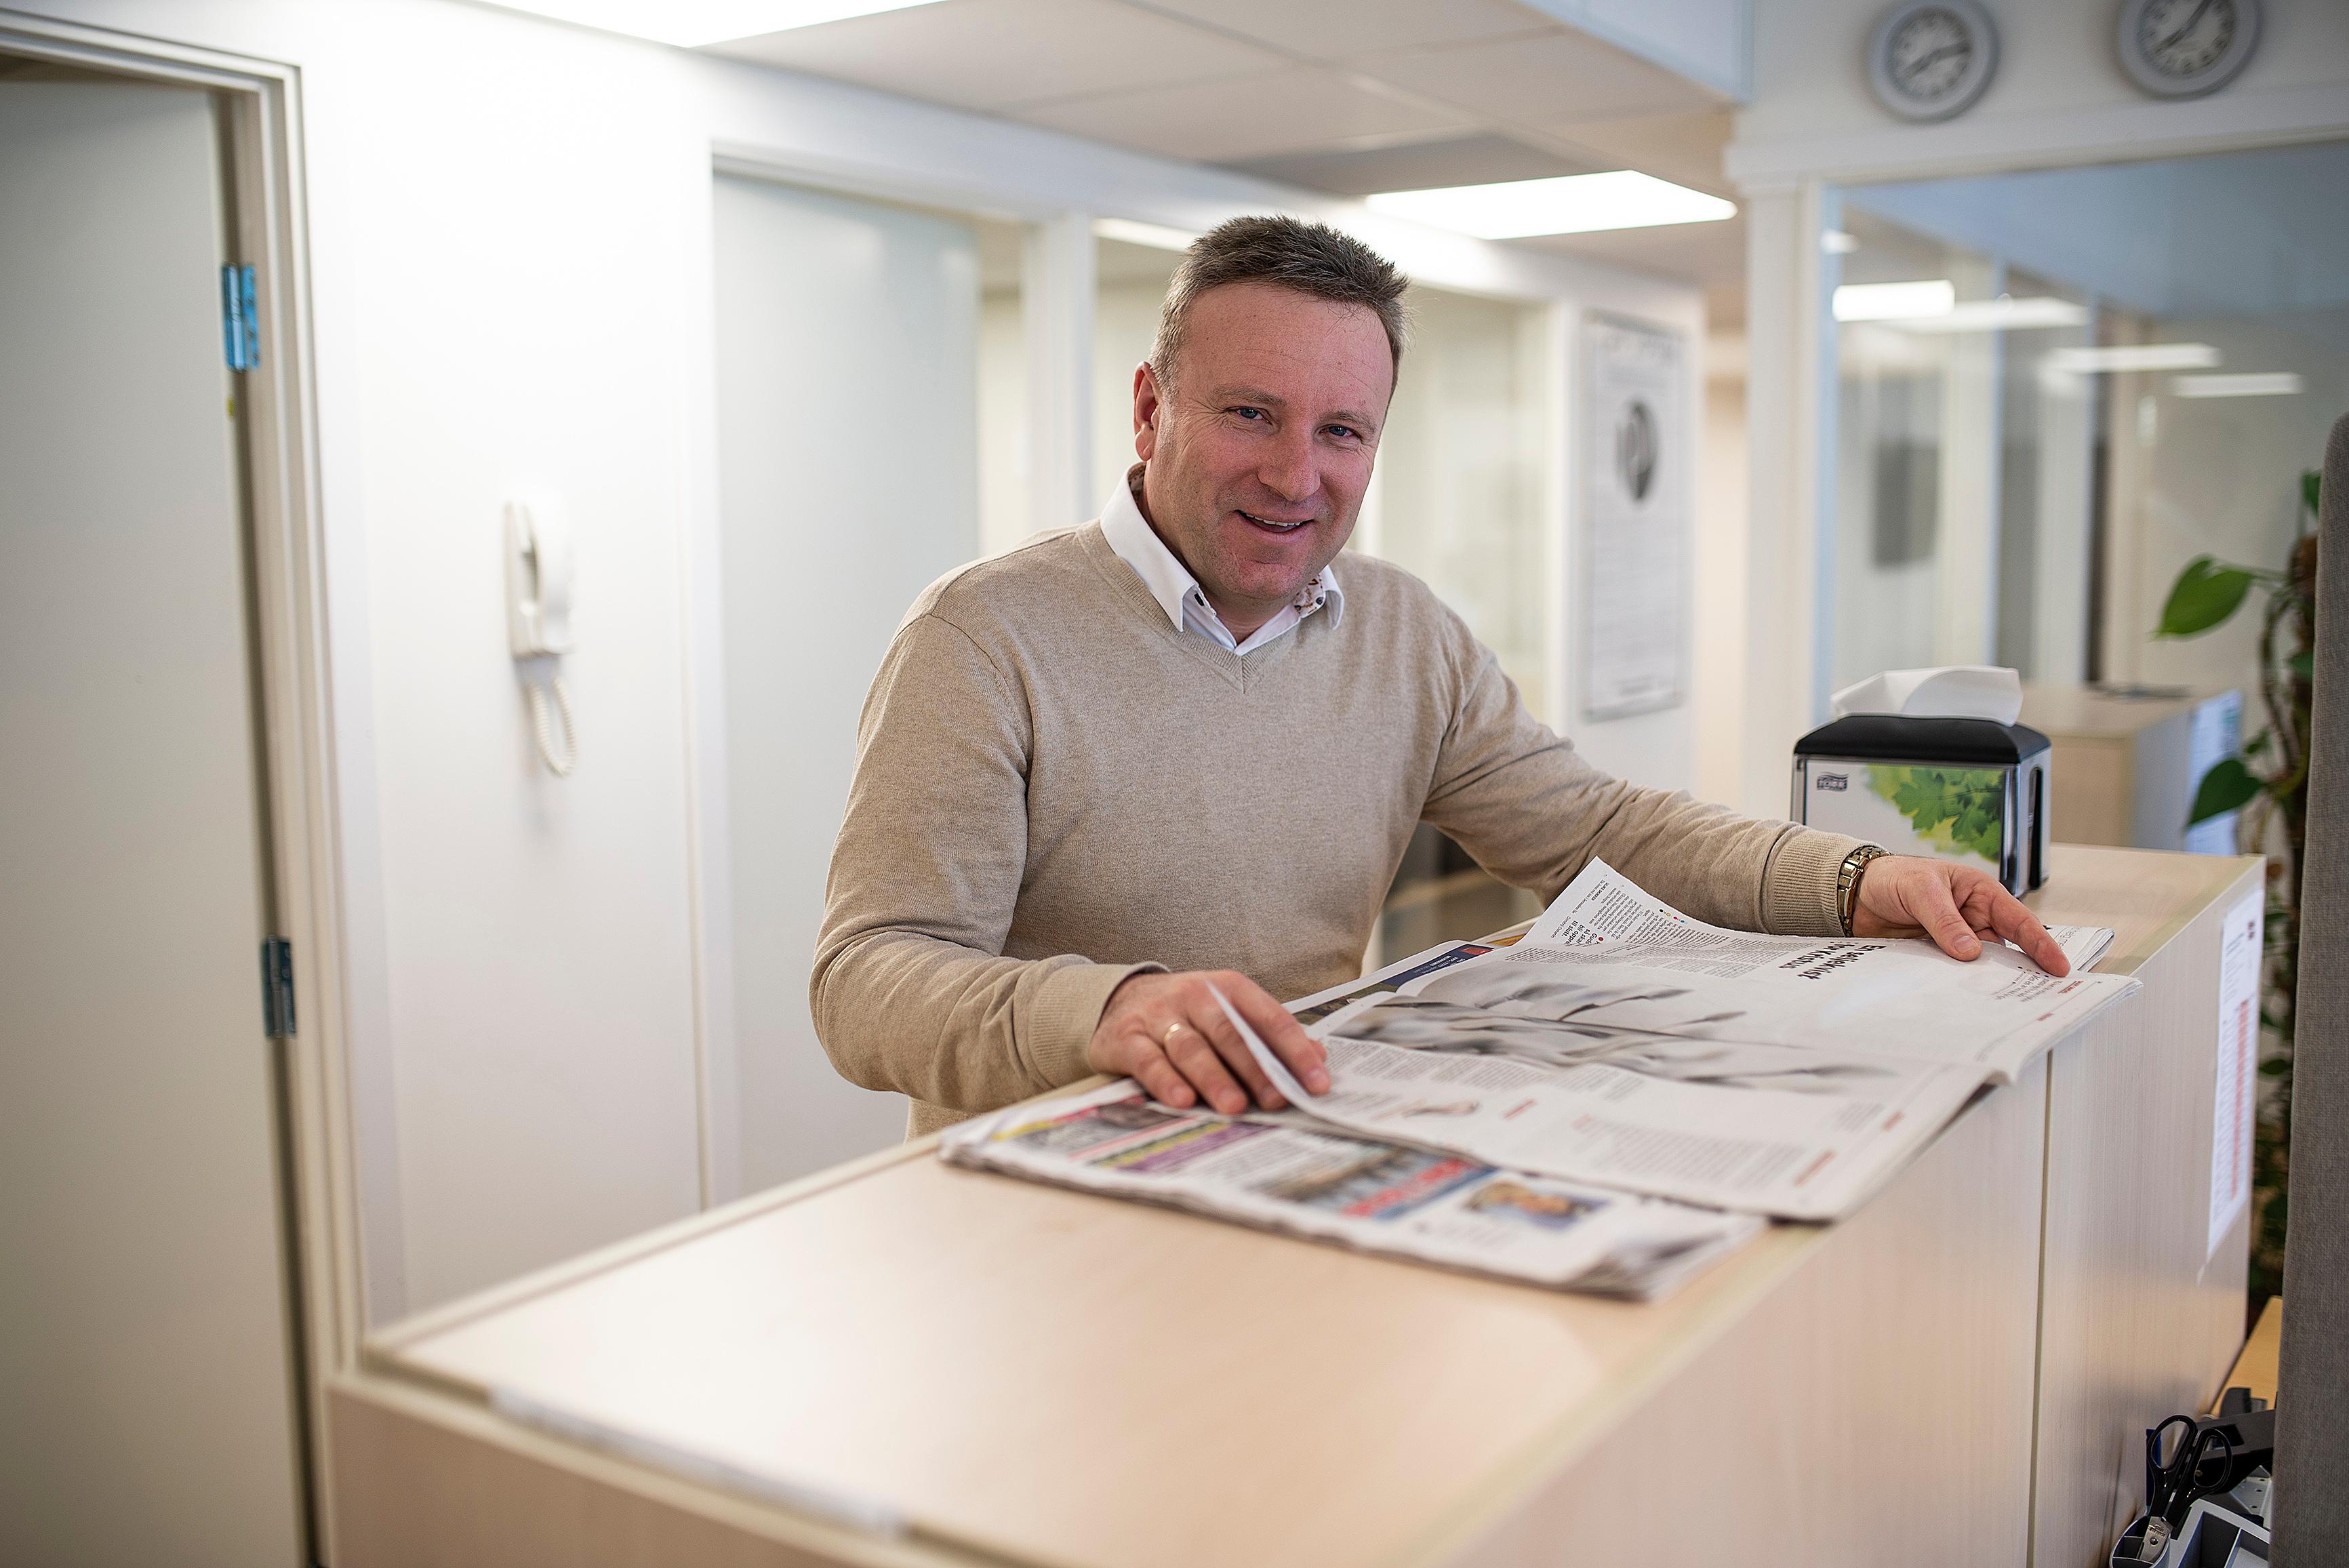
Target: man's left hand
1959,907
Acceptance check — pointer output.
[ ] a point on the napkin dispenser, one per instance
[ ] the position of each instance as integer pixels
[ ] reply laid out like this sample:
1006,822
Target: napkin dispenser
1972,786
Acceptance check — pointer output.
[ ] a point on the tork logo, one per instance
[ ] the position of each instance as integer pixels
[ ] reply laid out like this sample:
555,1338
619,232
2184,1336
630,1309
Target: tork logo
1835,781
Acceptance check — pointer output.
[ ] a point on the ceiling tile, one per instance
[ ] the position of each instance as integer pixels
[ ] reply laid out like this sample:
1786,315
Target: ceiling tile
1299,107
1684,148
1553,79
1417,166
1708,254
1343,29
989,54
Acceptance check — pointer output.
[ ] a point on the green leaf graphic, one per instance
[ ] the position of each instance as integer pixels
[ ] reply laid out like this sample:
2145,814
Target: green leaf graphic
1962,808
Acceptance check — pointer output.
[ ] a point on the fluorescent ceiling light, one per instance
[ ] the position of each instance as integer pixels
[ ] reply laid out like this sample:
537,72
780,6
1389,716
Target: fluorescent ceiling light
1569,204
693,22
1837,242
2005,314
2134,357
1156,236
2256,384
1895,302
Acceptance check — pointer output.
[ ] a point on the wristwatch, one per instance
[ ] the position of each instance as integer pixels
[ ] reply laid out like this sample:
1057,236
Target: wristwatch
1847,882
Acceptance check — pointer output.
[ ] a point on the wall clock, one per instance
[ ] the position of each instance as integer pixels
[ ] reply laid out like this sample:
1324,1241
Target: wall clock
2184,49
1930,59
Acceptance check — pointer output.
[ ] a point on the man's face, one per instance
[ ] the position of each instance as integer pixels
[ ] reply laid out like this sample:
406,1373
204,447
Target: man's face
1257,461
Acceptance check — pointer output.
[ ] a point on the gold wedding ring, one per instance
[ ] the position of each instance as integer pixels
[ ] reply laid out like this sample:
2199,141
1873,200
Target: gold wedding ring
1166,1040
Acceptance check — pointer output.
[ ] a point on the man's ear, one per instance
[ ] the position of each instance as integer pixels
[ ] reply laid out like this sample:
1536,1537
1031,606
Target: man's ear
1148,408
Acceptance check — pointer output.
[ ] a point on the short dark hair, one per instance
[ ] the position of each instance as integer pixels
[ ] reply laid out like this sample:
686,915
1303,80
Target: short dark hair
1291,254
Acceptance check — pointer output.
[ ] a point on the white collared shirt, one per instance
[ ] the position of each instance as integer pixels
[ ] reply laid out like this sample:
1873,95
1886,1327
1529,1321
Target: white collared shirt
1177,592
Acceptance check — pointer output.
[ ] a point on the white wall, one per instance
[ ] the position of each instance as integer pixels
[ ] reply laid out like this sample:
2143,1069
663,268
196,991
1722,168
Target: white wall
843,323
510,229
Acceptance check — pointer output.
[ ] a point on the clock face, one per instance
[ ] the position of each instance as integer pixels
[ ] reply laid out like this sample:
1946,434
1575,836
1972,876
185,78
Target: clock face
1929,53
2184,39
1930,59
2181,48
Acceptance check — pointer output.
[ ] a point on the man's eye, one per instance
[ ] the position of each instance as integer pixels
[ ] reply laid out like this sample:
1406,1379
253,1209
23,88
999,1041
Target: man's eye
1247,413
1345,432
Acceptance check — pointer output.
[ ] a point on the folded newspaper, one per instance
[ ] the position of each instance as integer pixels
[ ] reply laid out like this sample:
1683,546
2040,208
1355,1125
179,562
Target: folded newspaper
1284,1173
1623,1043
1558,1109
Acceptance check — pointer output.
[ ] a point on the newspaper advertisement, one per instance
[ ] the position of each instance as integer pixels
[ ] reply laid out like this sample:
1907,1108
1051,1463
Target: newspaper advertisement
1623,1043
1287,1174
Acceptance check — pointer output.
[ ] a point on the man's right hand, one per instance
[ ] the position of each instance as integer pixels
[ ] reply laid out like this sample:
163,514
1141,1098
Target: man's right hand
1168,1033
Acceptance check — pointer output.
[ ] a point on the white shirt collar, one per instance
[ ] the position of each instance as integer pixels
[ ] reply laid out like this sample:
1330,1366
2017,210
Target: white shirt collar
1177,592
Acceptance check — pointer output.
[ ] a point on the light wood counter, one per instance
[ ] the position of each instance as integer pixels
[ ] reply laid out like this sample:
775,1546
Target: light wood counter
1030,1374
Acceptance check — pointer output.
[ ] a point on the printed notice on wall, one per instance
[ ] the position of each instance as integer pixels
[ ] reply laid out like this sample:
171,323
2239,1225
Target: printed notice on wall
1634,571
2236,1103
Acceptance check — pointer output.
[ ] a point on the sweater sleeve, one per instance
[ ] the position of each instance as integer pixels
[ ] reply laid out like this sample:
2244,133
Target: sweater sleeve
911,991
1523,802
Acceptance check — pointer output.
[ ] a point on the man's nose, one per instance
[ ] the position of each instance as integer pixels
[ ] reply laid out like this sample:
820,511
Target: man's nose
1287,469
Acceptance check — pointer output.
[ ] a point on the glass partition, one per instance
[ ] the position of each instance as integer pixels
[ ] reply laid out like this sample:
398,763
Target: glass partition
2055,389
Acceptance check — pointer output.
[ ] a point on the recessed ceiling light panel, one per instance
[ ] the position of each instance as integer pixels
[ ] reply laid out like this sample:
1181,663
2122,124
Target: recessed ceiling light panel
1896,302
1567,204
2250,384
2134,357
694,21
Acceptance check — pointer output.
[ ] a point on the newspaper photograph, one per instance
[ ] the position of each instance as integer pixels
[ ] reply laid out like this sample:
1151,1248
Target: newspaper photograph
1286,1174
1623,1043
1607,952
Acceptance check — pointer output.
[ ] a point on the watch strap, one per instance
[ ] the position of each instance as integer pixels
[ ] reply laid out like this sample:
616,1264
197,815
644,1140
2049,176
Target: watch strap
1847,882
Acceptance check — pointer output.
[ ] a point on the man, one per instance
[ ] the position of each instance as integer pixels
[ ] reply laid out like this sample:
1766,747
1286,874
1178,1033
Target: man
1176,750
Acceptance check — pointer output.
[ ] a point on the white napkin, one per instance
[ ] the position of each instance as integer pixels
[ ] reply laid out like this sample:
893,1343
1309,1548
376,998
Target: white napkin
1953,691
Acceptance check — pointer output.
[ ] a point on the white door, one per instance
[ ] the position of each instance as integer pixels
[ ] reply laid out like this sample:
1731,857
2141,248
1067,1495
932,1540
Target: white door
147,1398
848,478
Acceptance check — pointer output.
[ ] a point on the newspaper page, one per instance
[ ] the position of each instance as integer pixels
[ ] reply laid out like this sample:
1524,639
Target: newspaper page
1606,952
1624,1043
1801,1133
1288,1175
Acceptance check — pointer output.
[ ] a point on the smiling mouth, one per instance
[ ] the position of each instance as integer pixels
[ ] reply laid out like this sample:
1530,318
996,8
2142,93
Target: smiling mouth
1273,526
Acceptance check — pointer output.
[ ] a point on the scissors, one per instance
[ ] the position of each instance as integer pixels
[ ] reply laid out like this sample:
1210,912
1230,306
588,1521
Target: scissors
2172,1484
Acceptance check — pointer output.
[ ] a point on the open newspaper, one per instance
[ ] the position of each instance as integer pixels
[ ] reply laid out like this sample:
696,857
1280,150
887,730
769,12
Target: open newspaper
1624,1043
1287,1174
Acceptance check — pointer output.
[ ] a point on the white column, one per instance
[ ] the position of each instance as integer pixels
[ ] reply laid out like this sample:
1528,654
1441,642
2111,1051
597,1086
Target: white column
1057,309
2066,464
1965,545
1790,422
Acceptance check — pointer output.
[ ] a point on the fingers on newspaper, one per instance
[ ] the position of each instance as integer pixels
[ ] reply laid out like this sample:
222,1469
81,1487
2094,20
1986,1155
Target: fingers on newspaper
1621,1056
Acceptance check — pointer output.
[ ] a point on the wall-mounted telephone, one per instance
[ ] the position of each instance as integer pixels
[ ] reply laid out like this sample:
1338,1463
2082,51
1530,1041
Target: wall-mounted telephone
539,564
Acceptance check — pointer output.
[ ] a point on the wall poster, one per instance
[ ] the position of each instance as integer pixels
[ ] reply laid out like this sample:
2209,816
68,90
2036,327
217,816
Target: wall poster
1634,567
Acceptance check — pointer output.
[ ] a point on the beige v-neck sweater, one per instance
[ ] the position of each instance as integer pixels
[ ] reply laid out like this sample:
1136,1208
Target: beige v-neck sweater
1054,788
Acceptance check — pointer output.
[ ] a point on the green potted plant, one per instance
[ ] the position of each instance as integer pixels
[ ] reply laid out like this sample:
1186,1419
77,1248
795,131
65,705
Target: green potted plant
2268,782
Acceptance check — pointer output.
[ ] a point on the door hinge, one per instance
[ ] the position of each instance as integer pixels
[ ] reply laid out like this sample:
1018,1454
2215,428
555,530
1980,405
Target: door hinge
277,987
240,319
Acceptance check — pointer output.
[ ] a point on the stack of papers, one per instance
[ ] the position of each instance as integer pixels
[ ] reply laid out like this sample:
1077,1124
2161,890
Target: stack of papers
1610,1103
1286,1174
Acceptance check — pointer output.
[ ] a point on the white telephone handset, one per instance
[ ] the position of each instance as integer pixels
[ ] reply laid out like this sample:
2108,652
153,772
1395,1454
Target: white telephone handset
539,562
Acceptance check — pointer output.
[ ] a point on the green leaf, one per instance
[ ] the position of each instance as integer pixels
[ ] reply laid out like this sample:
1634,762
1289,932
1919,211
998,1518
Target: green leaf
2226,787
2302,664
2309,479
2204,595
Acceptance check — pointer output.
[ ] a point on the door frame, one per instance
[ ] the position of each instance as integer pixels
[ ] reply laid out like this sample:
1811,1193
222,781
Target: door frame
277,431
